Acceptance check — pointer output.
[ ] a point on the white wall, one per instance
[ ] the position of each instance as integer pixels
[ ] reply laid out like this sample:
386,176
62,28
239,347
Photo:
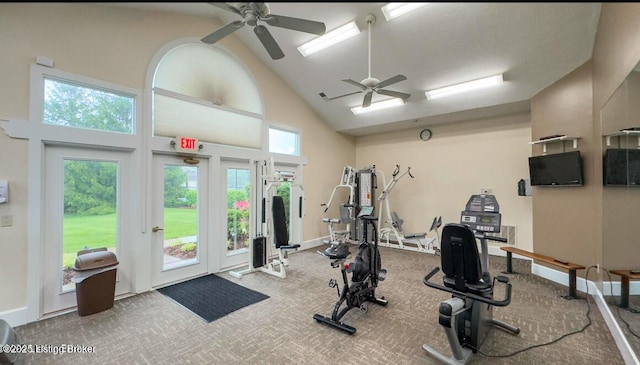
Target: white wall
457,162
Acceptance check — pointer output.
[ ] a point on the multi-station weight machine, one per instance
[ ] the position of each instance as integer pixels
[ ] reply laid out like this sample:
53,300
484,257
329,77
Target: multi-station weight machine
361,186
273,233
390,232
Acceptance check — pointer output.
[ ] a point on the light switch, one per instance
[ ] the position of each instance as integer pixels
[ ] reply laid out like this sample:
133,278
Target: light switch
4,191
6,221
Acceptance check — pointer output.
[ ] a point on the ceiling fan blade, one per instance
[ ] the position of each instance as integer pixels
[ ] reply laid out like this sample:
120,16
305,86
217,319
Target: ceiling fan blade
268,42
227,7
395,94
324,96
223,32
389,81
355,83
301,25
367,99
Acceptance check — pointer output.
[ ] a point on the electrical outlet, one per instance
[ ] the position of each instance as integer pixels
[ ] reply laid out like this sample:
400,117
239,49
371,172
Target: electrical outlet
6,221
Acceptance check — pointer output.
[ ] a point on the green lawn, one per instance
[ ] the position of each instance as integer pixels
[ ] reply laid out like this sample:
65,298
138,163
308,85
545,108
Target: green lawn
100,230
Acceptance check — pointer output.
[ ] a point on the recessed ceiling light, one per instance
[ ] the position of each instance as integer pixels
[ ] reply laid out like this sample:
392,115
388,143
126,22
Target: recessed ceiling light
329,39
394,10
389,103
464,87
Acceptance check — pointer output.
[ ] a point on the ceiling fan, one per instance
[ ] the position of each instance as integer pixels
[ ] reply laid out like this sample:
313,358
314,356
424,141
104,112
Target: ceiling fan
371,84
255,13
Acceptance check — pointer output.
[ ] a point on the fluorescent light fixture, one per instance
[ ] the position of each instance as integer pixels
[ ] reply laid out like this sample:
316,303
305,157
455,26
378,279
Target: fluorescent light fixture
389,103
464,87
394,10
329,39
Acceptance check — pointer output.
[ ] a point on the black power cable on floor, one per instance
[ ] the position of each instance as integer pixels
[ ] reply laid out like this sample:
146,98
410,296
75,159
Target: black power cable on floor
618,307
553,341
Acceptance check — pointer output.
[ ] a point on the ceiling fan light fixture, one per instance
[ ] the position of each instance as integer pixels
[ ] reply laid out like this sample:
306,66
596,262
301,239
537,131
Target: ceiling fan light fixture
389,103
464,87
329,39
394,10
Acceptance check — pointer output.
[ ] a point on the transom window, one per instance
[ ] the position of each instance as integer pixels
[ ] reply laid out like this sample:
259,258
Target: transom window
74,105
283,141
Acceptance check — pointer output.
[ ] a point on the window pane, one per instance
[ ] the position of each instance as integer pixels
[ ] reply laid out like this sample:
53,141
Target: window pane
238,209
82,107
90,212
284,142
180,216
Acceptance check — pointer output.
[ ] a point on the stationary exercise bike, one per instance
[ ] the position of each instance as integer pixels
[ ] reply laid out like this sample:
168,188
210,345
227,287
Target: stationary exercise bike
365,271
468,316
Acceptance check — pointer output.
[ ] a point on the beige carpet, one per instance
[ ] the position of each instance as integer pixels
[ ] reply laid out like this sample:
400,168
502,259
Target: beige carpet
151,329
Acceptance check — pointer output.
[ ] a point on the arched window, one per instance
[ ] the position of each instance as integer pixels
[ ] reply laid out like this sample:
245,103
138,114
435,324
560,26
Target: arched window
203,92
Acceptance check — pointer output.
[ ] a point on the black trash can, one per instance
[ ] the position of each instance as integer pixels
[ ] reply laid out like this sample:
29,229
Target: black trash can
95,279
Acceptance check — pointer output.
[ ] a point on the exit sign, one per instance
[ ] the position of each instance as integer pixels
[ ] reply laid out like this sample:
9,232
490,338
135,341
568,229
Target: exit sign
187,144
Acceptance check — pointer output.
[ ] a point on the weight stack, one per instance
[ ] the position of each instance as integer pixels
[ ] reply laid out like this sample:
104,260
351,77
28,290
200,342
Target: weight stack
259,252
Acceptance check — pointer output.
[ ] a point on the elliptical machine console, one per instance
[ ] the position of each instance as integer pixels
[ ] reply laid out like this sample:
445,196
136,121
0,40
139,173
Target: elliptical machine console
468,316
365,271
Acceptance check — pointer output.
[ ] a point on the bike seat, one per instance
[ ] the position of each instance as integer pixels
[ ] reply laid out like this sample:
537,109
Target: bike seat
340,251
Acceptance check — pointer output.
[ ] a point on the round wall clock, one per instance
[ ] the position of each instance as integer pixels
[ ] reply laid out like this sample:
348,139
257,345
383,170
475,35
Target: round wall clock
425,134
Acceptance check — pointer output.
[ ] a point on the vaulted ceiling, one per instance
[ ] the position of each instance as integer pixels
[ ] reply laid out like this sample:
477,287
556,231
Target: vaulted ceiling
532,44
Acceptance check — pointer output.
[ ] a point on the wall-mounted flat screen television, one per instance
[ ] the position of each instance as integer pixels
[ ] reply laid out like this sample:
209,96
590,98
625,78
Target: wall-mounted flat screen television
621,167
558,169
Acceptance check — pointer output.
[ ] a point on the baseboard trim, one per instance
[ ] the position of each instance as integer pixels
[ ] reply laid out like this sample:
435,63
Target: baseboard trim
15,317
624,347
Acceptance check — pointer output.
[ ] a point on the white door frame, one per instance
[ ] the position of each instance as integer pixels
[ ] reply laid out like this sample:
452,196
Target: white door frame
54,299
160,275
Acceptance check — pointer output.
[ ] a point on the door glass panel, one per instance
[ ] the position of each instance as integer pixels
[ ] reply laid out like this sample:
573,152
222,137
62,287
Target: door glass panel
90,210
238,210
180,216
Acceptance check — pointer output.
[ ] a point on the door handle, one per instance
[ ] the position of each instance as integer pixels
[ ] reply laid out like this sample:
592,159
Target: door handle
156,229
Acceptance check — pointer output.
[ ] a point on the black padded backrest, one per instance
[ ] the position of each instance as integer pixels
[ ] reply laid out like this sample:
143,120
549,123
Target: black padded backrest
280,231
460,259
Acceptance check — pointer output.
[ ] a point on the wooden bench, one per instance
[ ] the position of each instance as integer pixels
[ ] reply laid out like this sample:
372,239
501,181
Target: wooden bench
570,267
625,275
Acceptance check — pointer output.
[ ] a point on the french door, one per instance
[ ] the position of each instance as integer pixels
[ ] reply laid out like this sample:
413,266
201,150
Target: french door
87,204
179,219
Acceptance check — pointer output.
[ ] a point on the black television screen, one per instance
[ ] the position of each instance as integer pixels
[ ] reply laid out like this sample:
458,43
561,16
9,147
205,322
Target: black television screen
558,169
621,167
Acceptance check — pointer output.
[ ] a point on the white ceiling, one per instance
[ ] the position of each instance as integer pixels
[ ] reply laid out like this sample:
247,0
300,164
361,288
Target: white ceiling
533,44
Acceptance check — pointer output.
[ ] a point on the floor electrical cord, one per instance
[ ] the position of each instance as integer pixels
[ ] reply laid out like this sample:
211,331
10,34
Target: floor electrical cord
557,339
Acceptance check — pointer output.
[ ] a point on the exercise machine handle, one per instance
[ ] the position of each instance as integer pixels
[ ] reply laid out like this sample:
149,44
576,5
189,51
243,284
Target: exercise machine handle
492,238
497,303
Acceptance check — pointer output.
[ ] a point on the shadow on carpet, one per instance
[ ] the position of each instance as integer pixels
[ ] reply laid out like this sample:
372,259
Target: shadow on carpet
212,297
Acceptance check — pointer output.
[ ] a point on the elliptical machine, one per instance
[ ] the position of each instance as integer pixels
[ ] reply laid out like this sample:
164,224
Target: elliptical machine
468,316
365,271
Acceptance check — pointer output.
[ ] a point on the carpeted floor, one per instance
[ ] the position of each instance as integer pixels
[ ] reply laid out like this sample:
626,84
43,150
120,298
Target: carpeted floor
151,329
